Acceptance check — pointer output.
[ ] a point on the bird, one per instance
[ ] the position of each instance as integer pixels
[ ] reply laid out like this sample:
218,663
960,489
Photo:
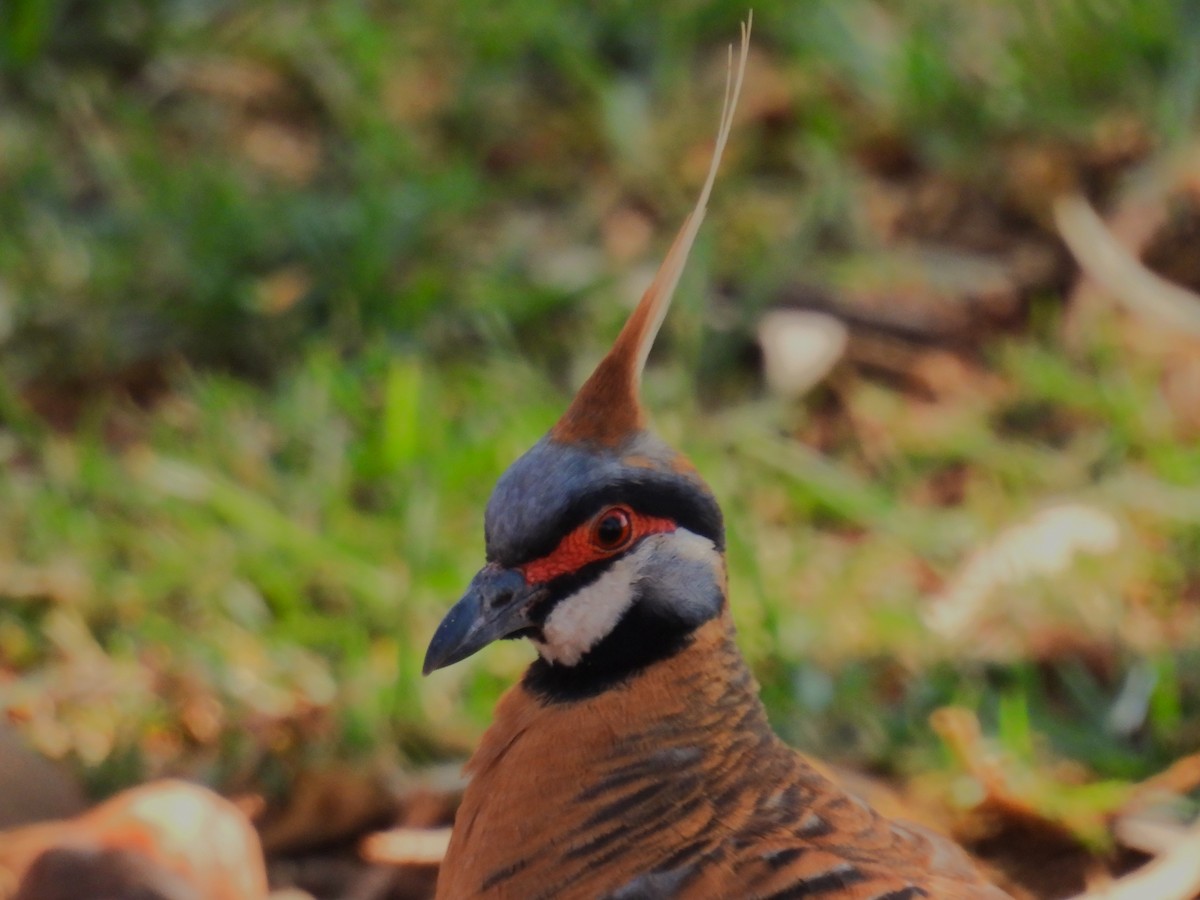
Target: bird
634,759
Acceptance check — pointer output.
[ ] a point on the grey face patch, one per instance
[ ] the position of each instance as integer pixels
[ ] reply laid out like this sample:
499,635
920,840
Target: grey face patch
555,486
683,570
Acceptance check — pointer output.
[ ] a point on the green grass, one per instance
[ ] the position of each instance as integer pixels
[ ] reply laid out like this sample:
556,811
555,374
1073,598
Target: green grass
366,244
258,573
165,163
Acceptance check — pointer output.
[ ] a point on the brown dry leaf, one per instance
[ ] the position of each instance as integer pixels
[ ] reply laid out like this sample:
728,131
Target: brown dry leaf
627,233
960,730
1181,391
414,94
1171,250
942,375
282,149
62,582
1037,173
1036,849
769,95
1018,792
242,81
1037,855
327,806
282,289
166,829
77,704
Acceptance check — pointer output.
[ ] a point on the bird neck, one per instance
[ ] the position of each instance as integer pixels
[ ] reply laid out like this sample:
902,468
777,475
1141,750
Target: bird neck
686,697
642,640
678,735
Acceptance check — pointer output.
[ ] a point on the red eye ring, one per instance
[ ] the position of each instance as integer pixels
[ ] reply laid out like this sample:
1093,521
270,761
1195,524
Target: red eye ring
612,530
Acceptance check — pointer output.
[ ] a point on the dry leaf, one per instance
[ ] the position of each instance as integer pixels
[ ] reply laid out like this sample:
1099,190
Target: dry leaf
282,289
165,832
284,150
327,806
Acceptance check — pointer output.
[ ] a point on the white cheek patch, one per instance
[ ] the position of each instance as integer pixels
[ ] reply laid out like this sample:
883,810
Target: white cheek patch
581,621
578,623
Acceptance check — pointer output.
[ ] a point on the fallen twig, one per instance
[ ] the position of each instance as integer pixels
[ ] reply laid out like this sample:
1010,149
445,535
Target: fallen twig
1175,875
1108,262
406,846
1149,836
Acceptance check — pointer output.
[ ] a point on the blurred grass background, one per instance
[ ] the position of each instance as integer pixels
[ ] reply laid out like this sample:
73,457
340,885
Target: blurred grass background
285,286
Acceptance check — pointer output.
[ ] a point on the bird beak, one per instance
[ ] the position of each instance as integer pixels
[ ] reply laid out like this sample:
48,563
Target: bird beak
496,605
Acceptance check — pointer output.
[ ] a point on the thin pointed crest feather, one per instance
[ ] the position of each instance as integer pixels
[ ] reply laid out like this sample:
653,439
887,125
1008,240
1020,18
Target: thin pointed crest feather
607,408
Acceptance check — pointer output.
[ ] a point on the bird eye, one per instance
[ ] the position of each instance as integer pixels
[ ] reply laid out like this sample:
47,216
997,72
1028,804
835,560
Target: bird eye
613,529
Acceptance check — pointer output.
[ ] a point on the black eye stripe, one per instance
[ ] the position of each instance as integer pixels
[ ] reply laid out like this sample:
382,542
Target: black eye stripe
676,499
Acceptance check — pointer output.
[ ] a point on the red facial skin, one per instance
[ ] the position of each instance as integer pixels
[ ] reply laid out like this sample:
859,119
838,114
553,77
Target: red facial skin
583,545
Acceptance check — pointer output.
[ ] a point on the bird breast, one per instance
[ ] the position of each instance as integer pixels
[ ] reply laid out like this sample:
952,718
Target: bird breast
672,784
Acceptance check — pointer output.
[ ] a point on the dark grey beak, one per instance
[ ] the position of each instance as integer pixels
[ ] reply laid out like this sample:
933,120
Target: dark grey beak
495,606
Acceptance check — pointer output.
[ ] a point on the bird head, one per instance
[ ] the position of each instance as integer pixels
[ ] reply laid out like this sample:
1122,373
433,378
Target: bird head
604,545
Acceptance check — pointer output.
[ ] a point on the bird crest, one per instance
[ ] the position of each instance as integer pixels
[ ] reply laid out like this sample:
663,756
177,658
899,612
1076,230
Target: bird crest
607,410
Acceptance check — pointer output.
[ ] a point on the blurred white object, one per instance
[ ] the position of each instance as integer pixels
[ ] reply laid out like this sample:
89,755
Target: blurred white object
1174,875
799,348
1111,265
1046,544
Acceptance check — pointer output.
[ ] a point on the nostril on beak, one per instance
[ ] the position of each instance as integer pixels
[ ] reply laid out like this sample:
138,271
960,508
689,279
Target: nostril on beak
500,598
